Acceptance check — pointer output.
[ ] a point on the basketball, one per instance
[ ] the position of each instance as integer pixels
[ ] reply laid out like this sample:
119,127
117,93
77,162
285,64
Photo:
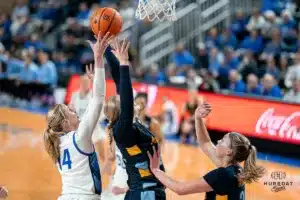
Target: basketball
106,20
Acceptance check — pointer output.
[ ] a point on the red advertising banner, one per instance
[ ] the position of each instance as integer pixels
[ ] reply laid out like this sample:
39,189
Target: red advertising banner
252,117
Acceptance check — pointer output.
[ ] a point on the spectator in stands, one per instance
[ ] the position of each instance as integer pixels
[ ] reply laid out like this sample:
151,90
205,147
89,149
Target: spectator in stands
252,87
216,58
273,47
193,81
236,84
211,39
248,65
227,39
47,73
283,67
257,21
271,68
154,76
83,14
35,42
253,42
231,62
293,71
270,87
293,95
288,22
238,26
272,22
201,57
182,57
209,84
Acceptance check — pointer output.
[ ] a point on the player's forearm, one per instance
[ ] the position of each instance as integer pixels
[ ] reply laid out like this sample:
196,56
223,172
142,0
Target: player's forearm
114,67
167,181
90,119
126,93
99,81
201,132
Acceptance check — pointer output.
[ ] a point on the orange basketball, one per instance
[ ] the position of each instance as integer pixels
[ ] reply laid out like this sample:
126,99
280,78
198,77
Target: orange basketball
106,20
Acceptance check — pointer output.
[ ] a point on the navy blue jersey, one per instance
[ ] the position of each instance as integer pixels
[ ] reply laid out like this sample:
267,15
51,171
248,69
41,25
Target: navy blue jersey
224,182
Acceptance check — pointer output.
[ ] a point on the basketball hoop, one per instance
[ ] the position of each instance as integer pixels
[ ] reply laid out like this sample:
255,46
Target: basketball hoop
156,9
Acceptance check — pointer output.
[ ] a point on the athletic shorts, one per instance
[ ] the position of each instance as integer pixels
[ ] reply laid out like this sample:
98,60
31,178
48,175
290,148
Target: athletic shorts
146,195
79,197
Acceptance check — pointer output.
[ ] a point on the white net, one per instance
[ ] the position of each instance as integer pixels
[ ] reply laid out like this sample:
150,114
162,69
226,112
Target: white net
156,9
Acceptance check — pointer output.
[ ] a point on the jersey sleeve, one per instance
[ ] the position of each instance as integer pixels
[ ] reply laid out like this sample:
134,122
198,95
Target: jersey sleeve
114,67
123,129
83,136
219,180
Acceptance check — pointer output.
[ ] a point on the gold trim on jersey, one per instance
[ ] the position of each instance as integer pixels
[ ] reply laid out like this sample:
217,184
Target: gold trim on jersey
218,197
134,150
144,172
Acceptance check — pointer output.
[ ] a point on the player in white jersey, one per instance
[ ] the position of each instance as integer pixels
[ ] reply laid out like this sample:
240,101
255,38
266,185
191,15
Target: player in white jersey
69,141
79,102
118,185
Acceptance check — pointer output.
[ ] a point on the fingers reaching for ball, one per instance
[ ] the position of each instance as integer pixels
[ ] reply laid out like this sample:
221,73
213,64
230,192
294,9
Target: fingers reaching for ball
100,46
120,49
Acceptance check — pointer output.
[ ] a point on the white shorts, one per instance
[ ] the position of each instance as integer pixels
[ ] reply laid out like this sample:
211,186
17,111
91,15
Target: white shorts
98,134
119,179
108,195
78,197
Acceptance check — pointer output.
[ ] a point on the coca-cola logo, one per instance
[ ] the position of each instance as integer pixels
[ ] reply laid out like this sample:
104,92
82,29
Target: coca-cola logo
278,125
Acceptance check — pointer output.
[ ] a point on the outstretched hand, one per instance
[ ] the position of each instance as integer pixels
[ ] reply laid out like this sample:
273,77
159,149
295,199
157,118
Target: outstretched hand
121,50
90,71
203,110
100,46
154,160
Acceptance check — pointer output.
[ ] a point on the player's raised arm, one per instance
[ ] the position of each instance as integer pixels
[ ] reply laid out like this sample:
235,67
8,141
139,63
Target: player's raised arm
124,125
83,137
114,67
202,134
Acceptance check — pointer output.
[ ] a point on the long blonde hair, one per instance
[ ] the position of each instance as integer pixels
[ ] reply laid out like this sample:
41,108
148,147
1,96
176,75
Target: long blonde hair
54,119
112,111
244,151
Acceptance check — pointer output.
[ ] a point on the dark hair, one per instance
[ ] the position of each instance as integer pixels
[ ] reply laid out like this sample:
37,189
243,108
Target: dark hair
242,150
141,95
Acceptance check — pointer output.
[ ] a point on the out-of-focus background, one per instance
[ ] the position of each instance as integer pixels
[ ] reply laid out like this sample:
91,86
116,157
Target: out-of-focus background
243,56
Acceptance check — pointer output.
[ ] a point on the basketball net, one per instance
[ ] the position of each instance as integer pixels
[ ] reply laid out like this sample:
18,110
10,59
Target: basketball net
156,9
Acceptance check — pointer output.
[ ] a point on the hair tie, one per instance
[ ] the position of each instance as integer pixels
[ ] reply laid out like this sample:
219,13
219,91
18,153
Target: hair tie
250,147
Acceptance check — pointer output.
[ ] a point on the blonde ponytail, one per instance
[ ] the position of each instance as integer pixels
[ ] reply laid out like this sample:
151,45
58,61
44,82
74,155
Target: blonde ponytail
243,151
54,129
51,140
251,172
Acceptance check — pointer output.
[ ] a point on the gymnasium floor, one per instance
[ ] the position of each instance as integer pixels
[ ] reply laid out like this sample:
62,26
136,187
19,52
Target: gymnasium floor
28,173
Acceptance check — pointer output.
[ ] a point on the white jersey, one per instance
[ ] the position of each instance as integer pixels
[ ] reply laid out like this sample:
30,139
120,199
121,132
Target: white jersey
120,177
79,170
171,119
80,104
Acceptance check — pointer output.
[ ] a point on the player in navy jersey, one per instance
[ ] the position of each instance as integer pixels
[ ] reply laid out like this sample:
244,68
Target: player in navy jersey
68,140
141,99
229,178
132,138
